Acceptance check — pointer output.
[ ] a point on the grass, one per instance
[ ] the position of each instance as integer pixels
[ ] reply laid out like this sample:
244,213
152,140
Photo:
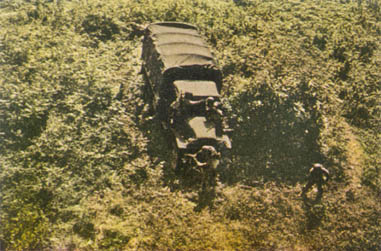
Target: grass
82,167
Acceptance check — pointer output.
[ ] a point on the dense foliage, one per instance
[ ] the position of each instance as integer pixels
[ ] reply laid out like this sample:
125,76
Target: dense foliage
84,166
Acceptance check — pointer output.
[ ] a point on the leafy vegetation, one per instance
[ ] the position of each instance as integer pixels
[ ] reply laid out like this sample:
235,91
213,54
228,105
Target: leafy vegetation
83,167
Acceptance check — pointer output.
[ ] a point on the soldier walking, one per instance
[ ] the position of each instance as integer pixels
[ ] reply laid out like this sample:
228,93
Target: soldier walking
206,159
317,175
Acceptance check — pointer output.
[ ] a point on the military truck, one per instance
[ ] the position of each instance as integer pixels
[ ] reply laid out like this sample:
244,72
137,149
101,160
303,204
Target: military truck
185,86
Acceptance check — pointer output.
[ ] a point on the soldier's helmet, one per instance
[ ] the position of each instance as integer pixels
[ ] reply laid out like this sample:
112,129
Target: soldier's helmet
210,101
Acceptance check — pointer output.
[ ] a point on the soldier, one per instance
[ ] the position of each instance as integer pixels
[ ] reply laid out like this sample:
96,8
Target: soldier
207,160
318,175
183,106
177,115
213,107
214,113
193,107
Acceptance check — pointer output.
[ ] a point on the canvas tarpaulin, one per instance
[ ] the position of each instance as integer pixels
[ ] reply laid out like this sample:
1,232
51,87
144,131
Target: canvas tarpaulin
177,51
180,46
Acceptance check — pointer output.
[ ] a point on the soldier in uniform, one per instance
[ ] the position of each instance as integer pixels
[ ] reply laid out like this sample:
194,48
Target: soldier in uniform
207,160
318,175
178,114
213,107
209,155
214,113
193,107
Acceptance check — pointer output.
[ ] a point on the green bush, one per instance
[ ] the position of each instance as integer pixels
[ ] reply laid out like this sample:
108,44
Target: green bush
26,228
277,130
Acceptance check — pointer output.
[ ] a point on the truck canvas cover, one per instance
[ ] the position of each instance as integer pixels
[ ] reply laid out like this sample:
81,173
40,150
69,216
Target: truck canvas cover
177,51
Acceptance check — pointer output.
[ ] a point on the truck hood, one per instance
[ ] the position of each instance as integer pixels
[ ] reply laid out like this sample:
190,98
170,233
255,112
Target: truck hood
202,129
